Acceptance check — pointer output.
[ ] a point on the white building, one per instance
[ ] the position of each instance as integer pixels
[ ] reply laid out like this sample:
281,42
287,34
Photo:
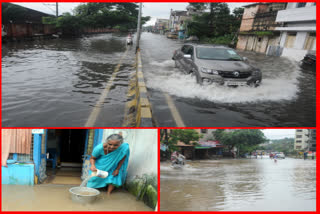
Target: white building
298,30
301,139
312,140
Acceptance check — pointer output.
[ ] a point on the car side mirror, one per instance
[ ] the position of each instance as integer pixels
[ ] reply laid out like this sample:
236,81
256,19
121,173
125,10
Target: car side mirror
245,59
187,56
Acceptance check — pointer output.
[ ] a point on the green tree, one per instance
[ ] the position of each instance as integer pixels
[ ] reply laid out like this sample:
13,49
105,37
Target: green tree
217,26
285,145
122,16
245,140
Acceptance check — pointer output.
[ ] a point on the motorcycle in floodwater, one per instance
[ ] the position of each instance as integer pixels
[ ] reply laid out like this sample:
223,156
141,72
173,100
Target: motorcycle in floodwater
177,163
129,40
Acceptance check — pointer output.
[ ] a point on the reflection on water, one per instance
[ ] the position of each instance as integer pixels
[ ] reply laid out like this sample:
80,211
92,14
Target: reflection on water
63,78
57,198
240,185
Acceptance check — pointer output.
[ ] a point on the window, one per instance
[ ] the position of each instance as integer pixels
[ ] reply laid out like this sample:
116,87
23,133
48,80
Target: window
184,49
299,136
217,54
299,130
298,141
298,147
190,50
291,38
301,4
310,42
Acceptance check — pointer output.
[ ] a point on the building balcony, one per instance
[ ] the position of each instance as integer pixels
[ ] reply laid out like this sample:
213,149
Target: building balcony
301,14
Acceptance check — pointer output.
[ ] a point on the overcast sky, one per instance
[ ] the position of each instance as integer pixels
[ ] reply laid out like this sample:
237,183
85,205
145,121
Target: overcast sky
155,10
279,133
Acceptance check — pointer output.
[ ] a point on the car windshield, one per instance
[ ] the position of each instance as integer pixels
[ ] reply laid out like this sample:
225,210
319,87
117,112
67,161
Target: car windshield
217,54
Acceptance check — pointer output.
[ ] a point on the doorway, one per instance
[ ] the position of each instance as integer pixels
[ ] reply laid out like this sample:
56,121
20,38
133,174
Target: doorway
65,150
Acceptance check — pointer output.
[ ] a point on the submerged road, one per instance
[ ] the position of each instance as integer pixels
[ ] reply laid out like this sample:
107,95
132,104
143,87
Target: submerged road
239,185
84,82
66,82
286,98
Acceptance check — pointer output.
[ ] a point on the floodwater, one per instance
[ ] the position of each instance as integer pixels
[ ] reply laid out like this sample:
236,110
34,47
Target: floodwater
48,197
239,185
286,97
58,82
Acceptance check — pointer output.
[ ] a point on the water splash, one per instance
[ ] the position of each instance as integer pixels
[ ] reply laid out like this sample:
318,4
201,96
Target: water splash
85,181
279,75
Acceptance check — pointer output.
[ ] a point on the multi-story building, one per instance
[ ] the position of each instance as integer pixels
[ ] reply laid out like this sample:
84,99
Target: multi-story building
161,26
176,20
257,26
179,17
301,139
312,140
297,30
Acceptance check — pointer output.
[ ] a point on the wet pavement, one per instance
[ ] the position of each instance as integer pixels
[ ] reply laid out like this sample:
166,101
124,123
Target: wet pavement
239,185
48,197
286,97
58,82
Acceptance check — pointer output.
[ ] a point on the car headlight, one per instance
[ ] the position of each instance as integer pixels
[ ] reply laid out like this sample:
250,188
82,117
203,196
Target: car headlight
209,71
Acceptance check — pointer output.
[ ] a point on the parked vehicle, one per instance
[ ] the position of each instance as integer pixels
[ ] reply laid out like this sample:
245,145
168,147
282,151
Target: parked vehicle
172,35
280,155
216,64
309,62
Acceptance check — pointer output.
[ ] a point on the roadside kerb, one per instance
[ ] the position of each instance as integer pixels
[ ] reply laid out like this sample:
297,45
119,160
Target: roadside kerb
138,110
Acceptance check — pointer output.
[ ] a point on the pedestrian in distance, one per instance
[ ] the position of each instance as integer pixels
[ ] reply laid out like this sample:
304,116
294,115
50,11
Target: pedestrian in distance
305,155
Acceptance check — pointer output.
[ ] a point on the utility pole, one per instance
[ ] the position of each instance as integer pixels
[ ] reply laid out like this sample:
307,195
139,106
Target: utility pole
139,27
57,11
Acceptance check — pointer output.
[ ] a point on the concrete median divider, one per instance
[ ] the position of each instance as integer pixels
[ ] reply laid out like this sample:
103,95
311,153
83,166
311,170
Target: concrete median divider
138,111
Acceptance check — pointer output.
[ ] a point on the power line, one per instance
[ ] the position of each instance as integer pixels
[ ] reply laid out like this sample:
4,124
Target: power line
49,7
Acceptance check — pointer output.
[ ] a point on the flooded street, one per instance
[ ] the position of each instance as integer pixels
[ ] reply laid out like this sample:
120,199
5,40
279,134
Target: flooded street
57,198
240,185
58,82
286,97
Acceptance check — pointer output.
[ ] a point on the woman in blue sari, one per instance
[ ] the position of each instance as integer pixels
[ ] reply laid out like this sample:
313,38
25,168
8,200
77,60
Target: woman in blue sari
111,156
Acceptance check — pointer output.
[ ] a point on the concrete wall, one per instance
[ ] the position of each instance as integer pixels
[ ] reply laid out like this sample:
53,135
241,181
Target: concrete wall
297,14
143,163
143,150
249,15
304,139
18,174
242,42
252,43
25,30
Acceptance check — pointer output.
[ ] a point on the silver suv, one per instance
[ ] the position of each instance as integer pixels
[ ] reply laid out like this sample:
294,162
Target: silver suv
216,64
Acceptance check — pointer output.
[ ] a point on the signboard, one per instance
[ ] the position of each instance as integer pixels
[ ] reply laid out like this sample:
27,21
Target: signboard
37,131
209,144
